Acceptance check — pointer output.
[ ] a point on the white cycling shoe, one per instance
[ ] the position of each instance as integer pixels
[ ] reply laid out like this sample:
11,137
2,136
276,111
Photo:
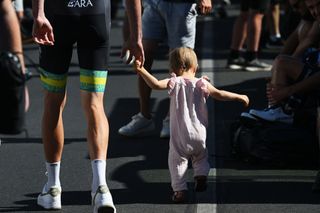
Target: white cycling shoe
102,200
50,199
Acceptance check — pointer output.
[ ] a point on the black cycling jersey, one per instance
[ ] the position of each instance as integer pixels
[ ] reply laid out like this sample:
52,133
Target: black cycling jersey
85,23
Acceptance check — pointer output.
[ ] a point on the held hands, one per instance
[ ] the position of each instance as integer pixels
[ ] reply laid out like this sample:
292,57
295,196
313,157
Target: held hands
135,49
137,65
205,77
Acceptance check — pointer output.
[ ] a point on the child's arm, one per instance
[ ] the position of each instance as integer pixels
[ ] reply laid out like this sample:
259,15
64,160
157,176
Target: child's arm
223,95
152,82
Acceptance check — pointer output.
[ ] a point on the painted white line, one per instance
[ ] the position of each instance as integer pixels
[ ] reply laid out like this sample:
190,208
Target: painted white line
205,208
206,69
206,64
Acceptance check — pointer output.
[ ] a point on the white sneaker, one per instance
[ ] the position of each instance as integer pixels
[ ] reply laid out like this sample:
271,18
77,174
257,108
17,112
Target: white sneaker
50,199
257,65
138,126
102,200
227,2
273,114
165,131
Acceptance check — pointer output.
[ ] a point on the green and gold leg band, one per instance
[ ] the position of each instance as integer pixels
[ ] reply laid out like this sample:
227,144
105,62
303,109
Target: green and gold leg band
53,82
93,80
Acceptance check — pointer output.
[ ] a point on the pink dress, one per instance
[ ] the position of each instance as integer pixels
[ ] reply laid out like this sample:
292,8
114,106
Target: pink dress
188,122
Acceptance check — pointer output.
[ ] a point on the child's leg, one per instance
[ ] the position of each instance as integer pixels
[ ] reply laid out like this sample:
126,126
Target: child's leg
201,169
200,163
178,166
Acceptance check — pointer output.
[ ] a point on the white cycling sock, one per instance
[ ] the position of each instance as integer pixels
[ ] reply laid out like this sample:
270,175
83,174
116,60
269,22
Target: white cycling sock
99,174
53,172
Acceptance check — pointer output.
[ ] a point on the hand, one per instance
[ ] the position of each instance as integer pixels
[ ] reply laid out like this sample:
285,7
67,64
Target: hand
205,77
136,50
137,66
205,6
42,31
245,100
276,94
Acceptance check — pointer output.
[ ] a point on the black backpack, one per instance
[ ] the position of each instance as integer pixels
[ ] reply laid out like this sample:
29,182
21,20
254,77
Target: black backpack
12,95
273,143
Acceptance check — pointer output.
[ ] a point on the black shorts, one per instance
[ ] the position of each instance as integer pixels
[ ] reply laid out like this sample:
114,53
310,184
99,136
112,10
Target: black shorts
85,23
259,5
273,2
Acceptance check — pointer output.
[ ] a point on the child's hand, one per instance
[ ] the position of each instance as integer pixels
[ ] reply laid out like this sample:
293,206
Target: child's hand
205,77
245,100
137,65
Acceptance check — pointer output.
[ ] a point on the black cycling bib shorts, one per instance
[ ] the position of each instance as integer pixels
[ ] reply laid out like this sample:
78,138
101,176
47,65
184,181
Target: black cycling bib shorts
85,23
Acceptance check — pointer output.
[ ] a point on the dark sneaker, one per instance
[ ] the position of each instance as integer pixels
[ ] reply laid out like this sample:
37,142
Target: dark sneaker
179,196
200,183
236,63
256,65
274,44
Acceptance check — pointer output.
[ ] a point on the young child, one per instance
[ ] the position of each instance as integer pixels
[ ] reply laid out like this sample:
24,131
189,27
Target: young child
188,118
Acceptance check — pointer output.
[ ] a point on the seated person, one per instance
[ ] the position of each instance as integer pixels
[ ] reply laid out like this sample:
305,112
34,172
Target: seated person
292,76
290,81
305,34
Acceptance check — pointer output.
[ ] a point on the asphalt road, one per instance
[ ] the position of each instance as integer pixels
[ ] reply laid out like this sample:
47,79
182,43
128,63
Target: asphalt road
137,170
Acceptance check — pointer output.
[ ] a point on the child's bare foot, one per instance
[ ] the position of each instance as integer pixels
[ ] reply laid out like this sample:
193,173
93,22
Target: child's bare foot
200,183
179,196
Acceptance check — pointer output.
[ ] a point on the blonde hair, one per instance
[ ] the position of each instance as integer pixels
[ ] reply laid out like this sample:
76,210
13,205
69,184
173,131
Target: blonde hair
182,59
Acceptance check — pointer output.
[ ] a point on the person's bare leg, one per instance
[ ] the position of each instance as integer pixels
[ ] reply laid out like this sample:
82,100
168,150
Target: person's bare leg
286,69
239,33
150,47
52,126
97,136
53,141
273,20
9,28
276,17
98,125
254,30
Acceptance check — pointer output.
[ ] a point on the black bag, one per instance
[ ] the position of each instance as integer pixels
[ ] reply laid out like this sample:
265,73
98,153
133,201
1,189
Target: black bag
12,95
273,143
